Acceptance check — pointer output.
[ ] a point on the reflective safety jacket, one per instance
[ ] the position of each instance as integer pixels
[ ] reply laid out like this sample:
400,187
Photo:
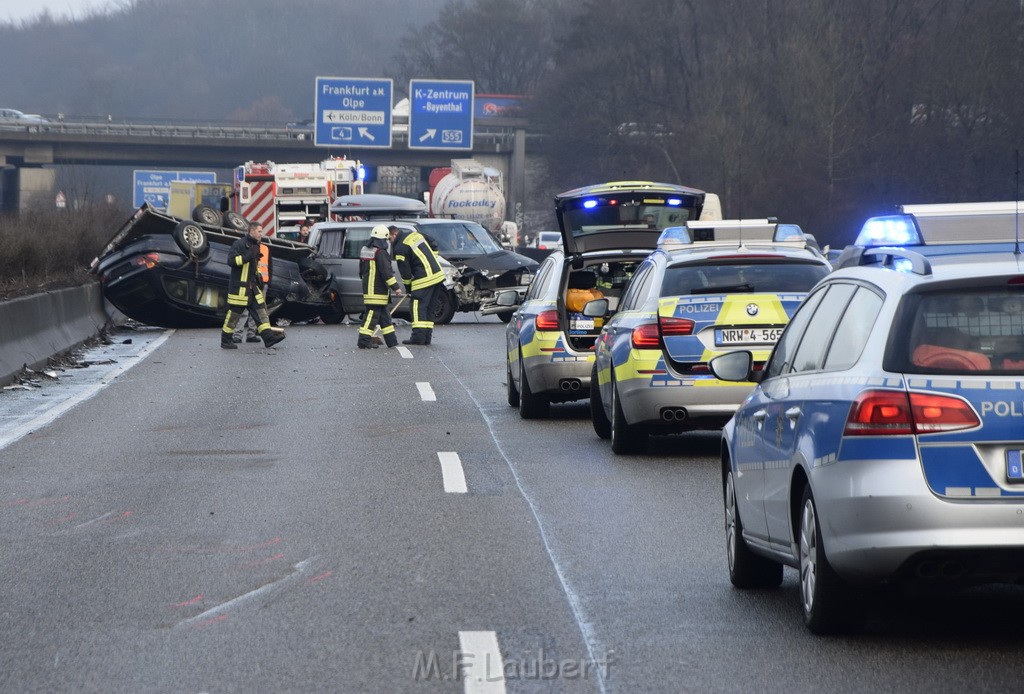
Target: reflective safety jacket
417,261
264,263
375,271
243,259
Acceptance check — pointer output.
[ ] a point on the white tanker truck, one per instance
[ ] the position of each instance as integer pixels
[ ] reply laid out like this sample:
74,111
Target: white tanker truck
470,191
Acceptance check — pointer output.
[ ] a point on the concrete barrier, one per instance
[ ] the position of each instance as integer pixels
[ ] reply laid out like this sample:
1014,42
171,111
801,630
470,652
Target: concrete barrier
35,328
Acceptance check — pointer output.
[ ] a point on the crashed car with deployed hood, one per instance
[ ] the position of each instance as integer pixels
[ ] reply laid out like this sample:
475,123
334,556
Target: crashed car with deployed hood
170,272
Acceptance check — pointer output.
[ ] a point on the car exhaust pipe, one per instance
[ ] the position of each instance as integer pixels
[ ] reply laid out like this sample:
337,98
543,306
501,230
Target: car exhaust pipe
674,414
952,570
569,384
928,570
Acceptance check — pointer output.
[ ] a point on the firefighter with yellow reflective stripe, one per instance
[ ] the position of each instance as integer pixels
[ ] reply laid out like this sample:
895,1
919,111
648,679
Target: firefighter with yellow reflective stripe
245,290
421,271
378,282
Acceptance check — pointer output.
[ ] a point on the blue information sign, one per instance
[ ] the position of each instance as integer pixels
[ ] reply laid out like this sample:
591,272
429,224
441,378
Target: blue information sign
353,112
441,114
154,187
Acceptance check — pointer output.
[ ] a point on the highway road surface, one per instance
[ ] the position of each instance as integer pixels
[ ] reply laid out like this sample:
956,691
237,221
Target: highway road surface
178,517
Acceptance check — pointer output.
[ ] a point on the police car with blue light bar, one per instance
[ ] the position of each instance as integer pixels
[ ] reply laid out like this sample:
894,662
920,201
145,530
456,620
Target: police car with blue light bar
883,441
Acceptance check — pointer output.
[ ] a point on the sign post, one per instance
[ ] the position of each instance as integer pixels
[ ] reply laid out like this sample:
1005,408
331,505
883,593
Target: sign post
353,112
441,114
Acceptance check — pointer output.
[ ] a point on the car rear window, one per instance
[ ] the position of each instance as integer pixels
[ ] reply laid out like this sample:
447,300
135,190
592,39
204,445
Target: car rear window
958,331
716,276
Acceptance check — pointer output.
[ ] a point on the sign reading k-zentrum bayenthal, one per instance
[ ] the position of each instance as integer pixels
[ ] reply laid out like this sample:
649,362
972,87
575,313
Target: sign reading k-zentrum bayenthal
441,114
353,112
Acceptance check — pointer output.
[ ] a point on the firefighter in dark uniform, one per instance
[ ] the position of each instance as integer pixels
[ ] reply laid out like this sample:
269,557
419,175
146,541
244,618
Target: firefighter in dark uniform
378,282
421,271
245,290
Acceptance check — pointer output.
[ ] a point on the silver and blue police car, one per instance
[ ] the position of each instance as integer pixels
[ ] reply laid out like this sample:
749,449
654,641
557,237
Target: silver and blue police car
607,230
883,441
712,287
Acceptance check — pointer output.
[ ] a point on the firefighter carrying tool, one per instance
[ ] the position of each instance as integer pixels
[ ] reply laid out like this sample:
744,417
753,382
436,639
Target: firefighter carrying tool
378,281
245,290
421,271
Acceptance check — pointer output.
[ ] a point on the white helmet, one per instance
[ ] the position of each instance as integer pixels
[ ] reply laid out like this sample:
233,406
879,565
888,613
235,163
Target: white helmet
380,232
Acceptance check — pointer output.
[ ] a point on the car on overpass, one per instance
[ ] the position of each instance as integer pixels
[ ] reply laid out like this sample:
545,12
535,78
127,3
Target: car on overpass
12,119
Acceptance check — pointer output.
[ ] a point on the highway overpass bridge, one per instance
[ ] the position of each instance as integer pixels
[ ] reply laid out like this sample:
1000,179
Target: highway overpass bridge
28,155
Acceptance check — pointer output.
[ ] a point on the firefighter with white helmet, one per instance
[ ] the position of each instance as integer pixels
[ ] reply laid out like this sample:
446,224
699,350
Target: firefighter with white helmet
378,282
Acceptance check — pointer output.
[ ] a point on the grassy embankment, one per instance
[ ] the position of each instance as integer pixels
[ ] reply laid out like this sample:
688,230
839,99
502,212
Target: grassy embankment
42,250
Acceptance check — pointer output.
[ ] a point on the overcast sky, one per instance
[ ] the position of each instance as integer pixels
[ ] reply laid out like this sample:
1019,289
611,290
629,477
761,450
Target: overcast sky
25,9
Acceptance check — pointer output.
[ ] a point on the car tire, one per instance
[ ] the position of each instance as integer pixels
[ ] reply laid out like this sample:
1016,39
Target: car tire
602,426
746,569
444,307
626,438
190,238
531,405
511,392
334,314
206,214
830,605
505,316
233,220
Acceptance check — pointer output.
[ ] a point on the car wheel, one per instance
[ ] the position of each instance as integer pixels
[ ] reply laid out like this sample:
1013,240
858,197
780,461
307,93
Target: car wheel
206,214
233,220
505,316
531,406
334,314
602,426
190,238
444,307
626,438
830,606
510,387
746,569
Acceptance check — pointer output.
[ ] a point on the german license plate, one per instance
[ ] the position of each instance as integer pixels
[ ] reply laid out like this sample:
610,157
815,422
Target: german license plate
1014,467
581,324
746,336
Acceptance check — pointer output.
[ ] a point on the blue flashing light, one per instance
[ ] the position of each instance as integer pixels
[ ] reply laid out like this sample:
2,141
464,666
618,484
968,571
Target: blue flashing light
674,202
789,232
589,204
903,265
893,230
673,237
361,173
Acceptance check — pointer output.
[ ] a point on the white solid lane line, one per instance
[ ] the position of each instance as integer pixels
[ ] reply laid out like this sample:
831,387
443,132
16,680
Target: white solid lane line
426,392
483,670
404,351
452,473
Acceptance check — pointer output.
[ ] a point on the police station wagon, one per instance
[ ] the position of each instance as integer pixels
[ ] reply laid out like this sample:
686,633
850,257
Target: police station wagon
711,288
883,441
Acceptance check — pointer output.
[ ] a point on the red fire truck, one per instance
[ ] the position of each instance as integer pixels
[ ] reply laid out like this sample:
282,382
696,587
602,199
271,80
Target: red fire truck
281,196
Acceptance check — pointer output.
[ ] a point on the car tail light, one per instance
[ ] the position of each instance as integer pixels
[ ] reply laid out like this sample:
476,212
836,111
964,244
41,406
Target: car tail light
675,326
890,412
646,336
547,320
150,260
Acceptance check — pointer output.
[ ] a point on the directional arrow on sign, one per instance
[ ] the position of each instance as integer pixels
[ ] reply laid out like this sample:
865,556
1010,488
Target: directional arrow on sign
429,135
365,132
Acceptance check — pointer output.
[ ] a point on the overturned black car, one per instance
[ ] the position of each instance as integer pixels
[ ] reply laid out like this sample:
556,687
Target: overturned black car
173,273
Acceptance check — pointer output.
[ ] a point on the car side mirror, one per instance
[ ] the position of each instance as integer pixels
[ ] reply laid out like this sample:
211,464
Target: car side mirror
734,366
507,298
595,308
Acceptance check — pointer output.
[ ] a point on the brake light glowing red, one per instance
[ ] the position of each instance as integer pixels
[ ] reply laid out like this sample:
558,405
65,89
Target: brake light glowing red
646,336
675,326
895,413
547,320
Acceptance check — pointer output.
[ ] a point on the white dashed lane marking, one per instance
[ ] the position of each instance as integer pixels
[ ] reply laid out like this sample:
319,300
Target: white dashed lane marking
452,473
483,670
426,392
404,351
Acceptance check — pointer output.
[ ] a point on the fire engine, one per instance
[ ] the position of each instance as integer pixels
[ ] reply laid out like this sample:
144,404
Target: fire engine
281,196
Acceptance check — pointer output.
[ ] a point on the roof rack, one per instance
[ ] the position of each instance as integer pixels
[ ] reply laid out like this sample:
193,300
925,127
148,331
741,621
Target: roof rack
885,257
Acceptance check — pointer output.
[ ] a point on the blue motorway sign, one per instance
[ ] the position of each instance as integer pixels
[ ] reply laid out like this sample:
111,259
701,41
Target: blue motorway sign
441,114
154,187
353,112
